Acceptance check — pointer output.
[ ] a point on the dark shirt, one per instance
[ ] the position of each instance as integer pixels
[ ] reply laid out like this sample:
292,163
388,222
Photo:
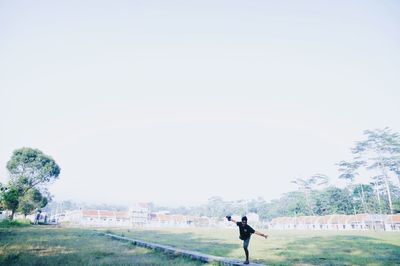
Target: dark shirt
245,231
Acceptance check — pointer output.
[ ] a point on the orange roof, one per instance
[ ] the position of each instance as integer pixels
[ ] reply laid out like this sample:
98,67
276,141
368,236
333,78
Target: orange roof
278,220
301,219
201,220
162,217
122,215
178,218
336,219
358,218
311,219
90,213
395,218
106,214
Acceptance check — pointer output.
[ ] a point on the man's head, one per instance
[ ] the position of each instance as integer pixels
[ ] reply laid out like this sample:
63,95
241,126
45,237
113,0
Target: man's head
244,220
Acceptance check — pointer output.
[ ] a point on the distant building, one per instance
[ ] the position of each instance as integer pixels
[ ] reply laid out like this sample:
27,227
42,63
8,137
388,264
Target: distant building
139,213
98,218
177,220
338,222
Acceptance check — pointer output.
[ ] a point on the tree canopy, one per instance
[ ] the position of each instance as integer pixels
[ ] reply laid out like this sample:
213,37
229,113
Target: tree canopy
30,171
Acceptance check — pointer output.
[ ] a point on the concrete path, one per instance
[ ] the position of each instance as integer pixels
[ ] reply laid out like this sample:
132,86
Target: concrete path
181,252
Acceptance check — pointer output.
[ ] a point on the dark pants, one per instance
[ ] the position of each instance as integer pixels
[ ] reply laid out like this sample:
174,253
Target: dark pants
246,243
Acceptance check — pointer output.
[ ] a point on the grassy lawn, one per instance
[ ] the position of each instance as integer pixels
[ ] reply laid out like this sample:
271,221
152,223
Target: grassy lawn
23,244
284,247
46,245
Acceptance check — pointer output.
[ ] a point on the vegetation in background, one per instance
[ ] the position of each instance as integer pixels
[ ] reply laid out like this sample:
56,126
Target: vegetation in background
30,171
14,223
375,162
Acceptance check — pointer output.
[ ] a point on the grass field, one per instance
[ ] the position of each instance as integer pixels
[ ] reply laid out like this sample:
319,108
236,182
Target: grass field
45,245
22,244
285,247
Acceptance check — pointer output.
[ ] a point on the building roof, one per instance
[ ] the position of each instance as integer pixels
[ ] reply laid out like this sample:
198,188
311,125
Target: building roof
336,219
105,214
395,218
90,213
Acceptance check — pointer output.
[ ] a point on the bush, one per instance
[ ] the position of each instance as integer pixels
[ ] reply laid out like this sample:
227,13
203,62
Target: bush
14,223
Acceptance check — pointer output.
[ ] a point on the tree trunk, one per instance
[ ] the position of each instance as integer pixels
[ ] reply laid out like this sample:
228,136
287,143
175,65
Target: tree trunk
389,196
398,175
378,197
363,199
309,203
385,177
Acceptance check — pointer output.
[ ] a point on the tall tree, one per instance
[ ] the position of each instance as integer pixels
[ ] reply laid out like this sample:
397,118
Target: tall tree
32,200
29,169
380,145
9,198
393,163
349,171
306,185
339,200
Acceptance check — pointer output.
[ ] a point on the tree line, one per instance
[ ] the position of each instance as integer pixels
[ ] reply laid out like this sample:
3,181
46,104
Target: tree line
372,180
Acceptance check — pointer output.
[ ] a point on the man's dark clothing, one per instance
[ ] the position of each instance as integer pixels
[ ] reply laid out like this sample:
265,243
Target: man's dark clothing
245,231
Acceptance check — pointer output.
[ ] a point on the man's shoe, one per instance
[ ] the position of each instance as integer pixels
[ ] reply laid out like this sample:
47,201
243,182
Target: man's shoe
246,262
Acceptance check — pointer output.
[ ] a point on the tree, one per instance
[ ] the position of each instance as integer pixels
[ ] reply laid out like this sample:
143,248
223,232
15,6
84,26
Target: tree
31,201
2,190
349,172
10,199
307,185
32,168
376,151
339,200
364,194
215,207
30,171
393,163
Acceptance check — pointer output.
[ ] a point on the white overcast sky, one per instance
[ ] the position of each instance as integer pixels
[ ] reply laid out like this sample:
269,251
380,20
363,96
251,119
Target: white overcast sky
177,101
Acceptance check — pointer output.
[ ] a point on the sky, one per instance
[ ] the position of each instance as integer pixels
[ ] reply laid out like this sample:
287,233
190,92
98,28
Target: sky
174,102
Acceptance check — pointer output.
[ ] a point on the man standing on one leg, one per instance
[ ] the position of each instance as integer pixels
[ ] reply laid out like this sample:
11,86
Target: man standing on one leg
245,231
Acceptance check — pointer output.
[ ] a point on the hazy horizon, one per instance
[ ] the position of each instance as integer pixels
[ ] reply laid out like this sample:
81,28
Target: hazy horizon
175,102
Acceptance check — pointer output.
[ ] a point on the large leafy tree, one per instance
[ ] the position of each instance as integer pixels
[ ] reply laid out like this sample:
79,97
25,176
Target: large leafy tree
306,185
31,201
393,163
349,171
32,168
378,152
9,198
364,198
30,171
339,200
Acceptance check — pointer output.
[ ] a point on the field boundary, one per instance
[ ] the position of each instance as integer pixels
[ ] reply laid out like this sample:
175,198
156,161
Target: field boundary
181,252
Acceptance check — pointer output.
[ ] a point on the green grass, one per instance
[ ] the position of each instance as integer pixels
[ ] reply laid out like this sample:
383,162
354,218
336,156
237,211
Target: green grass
14,223
23,244
284,247
46,245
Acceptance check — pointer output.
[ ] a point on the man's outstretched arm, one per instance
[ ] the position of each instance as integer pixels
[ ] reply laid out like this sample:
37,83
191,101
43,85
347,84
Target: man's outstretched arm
261,234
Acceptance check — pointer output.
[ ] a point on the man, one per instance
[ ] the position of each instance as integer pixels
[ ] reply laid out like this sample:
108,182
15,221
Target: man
245,231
